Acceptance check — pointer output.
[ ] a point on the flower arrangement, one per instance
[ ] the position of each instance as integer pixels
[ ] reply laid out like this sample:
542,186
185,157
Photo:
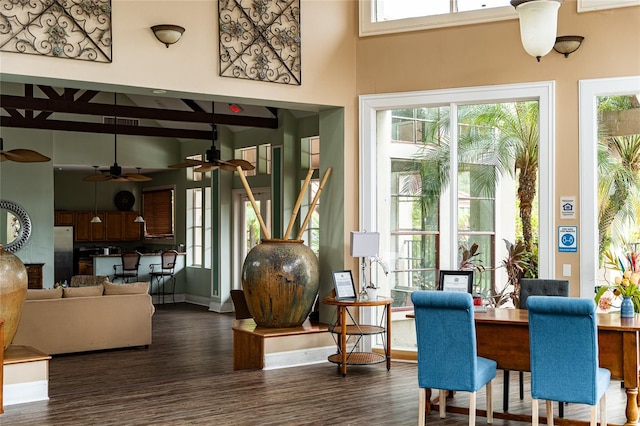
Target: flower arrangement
379,261
625,285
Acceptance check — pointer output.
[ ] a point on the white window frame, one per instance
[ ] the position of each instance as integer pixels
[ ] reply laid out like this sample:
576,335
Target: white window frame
592,5
193,229
588,137
543,92
369,27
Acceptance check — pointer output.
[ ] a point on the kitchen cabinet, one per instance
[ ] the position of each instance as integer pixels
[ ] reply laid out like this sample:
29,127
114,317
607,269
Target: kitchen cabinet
82,226
64,218
115,226
84,230
131,231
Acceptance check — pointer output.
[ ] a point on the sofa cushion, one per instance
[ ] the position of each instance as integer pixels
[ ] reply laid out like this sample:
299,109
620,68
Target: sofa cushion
129,288
95,290
47,293
87,280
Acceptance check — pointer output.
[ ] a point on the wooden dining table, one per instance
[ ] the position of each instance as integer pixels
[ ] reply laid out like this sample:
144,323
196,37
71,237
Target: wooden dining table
503,335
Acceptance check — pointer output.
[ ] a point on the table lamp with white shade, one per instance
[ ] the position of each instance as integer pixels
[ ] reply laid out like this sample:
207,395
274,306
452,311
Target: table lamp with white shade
366,246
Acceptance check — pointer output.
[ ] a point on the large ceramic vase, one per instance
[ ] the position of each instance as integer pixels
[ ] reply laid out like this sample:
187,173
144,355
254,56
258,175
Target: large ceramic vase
13,292
280,279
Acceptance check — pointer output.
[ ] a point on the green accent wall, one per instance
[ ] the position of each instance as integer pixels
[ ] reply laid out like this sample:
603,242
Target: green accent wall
332,217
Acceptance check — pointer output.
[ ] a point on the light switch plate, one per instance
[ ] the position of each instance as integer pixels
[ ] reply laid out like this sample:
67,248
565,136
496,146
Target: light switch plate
566,270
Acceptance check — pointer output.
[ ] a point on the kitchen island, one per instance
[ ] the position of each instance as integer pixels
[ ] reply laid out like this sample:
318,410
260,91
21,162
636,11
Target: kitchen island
103,265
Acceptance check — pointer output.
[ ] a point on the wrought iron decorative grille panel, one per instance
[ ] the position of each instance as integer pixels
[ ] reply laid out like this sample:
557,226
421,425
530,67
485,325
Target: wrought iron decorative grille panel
260,40
73,29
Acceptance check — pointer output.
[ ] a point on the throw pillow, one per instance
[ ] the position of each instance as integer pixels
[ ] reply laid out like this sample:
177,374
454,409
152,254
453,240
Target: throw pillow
95,290
129,288
47,293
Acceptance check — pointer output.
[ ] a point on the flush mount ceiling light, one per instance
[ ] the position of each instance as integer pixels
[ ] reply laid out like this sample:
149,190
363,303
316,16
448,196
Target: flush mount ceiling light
538,25
567,44
167,33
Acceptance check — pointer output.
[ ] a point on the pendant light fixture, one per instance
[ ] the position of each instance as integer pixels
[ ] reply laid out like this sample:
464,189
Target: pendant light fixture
95,218
538,25
139,218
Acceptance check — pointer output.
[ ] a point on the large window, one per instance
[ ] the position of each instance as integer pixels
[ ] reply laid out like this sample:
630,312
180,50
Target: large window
310,155
439,178
158,210
593,132
199,229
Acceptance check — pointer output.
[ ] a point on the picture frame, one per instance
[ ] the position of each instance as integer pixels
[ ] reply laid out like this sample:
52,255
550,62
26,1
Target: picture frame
344,285
461,281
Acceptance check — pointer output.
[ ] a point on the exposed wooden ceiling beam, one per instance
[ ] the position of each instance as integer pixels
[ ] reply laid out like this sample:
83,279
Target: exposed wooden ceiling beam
78,126
68,103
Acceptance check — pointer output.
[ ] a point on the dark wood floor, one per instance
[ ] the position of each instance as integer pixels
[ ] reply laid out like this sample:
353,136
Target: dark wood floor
186,378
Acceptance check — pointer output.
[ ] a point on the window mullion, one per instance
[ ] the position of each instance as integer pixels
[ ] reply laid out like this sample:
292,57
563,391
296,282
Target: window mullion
453,180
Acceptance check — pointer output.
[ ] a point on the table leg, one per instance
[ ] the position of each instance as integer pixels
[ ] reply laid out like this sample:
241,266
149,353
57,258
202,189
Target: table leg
632,406
343,338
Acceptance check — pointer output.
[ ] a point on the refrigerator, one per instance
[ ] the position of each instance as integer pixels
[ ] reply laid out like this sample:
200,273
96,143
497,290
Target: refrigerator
62,253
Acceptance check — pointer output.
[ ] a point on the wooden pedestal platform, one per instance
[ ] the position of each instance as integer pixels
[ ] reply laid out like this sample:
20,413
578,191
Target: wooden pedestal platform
26,375
267,348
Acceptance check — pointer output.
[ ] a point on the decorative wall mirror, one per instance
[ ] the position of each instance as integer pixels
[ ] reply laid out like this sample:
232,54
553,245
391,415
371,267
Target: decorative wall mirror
15,226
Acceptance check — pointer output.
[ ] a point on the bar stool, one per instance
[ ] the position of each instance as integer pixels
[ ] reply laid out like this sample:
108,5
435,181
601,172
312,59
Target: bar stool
128,268
161,271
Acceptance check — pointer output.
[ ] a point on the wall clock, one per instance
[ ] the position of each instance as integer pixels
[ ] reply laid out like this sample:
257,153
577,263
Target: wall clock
124,200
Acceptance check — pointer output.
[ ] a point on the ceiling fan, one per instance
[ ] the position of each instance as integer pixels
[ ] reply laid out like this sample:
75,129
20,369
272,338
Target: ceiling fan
21,155
212,160
114,174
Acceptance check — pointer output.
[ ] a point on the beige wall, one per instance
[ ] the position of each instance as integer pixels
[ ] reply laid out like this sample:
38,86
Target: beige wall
488,54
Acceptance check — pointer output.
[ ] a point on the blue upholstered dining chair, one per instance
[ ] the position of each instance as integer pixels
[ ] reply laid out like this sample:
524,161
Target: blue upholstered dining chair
447,356
563,338
534,287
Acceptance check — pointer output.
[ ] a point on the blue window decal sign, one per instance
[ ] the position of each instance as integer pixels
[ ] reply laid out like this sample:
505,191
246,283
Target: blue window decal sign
567,238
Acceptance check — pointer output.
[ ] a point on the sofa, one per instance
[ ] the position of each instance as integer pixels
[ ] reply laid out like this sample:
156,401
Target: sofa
80,319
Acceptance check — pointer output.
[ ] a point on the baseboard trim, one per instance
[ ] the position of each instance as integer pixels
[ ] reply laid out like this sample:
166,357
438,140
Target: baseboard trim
19,393
297,358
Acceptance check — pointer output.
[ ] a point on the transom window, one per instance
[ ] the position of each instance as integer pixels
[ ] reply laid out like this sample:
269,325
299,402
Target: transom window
259,156
392,16
388,10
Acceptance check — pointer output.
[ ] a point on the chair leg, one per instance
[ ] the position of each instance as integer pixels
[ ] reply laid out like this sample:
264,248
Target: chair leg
560,409
549,413
422,405
534,412
505,392
489,390
472,409
442,403
521,377
173,289
603,410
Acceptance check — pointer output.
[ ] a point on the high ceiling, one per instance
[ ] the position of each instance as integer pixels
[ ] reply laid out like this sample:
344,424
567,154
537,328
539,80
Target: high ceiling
38,107
148,113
